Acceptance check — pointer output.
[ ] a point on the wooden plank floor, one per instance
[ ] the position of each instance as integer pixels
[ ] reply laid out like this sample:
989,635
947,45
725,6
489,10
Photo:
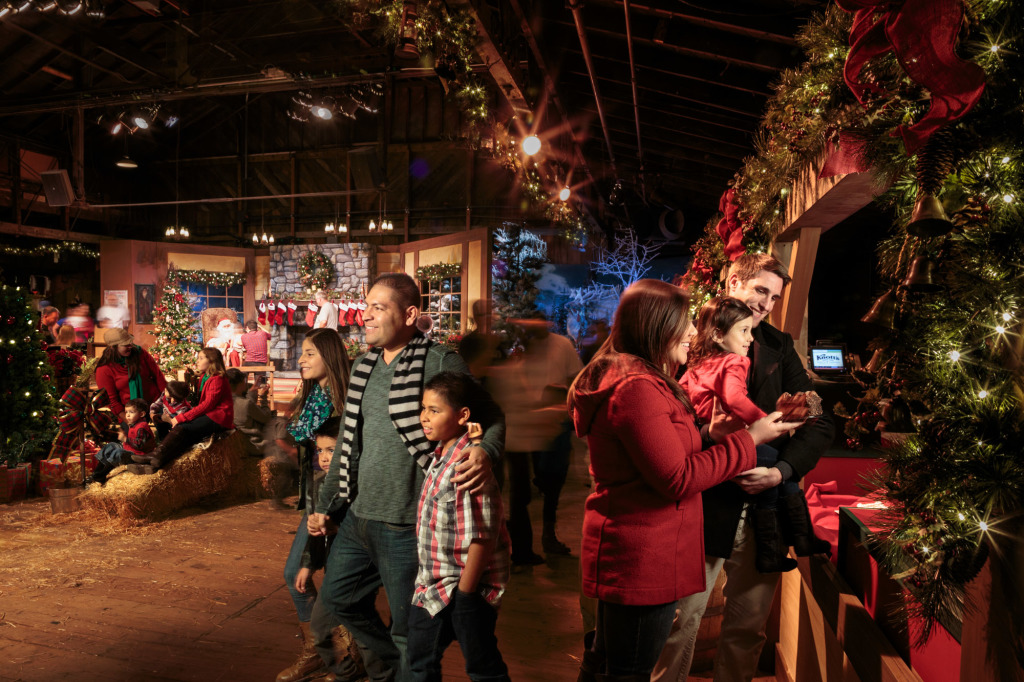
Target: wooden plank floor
201,597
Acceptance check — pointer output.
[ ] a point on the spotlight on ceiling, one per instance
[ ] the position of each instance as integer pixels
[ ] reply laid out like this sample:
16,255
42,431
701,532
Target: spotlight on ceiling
565,194
22,5
69,7
171,121
6,8
323,113
140,122
45,5
531,145
126,162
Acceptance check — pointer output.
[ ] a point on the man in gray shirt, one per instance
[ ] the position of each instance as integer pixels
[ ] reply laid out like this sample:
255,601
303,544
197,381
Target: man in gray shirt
373,486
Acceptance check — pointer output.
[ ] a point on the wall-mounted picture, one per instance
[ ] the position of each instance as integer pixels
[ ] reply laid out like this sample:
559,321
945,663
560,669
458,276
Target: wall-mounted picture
145,299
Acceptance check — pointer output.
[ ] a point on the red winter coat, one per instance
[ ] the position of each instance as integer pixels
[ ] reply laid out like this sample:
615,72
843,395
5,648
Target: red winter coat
216,402
723,376
642,528
114,378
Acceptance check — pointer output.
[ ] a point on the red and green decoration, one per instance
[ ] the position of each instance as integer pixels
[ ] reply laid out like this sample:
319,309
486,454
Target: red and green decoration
316,271
55,250
438,272
222,279
953,337
175,329
28,416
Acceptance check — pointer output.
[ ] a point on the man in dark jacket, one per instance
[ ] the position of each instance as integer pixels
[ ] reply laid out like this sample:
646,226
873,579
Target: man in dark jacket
775,368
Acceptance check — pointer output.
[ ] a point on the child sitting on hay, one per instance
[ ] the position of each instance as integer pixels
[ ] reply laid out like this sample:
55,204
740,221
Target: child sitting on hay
136,439
171,403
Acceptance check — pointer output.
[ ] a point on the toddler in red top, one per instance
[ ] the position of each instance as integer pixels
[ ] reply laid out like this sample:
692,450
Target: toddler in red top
171,403
136,440
462,543
717,369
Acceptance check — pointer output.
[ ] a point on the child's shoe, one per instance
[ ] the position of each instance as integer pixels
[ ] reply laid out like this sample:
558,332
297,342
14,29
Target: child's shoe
771,550
797,519
100,473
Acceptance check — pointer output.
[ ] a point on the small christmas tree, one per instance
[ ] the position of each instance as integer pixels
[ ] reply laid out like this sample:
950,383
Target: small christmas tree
175,330
27,420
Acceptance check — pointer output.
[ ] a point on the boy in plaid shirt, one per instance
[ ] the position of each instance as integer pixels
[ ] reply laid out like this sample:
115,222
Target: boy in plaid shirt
462,543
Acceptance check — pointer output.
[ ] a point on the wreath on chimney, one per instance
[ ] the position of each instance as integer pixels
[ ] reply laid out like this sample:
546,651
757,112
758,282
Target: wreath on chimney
316,271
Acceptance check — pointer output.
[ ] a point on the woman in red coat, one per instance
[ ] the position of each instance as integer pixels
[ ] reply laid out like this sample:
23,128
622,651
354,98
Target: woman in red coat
127,371
642,545
214,413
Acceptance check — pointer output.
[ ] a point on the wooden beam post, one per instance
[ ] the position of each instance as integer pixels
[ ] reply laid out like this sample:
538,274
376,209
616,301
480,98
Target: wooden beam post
794,299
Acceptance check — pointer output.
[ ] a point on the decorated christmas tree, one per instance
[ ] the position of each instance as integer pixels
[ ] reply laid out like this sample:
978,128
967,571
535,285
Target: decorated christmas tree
27,419
518,256
175,329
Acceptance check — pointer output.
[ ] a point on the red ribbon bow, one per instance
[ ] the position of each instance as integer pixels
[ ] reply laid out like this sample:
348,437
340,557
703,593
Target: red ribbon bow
729,227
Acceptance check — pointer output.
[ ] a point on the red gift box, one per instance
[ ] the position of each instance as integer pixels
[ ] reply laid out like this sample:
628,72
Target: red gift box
17,482
53,472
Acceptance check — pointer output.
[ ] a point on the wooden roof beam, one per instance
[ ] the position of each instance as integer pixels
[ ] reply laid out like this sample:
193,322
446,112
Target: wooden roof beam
503,73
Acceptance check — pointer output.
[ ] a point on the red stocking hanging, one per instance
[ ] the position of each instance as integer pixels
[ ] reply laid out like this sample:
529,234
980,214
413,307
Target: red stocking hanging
360,307
279,318
262,317
353,310
343,308
311,313
291,312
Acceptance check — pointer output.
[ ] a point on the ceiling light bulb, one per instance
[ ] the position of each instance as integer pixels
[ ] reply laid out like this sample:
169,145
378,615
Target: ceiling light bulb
565,194
983,394
126,162
184,232
342,228
531,145
329,227
140,122
373,225
263,238
323,113
169,232
271,239
255,239
954,355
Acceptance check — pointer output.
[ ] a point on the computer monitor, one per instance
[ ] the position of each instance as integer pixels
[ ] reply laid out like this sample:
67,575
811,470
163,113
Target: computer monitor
829,359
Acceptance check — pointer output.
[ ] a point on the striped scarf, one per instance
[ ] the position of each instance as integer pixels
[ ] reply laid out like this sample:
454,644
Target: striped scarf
403,408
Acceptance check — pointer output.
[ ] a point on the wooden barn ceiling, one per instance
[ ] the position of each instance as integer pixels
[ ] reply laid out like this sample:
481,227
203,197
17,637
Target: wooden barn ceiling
661,97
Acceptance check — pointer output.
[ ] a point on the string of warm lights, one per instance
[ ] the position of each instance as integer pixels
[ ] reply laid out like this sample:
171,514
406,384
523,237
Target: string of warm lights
227,279
52,249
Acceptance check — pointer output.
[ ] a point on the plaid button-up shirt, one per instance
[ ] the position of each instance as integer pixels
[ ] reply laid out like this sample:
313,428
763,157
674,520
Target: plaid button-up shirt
448,521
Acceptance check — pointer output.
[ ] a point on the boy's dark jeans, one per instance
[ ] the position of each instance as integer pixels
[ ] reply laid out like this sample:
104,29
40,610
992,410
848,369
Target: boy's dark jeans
767,456
468,618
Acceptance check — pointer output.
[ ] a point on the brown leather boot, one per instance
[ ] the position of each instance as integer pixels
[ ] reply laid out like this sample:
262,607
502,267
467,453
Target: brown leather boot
308,662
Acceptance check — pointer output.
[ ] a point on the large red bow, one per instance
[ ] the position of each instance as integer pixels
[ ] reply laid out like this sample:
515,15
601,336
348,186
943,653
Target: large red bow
729,227
922,35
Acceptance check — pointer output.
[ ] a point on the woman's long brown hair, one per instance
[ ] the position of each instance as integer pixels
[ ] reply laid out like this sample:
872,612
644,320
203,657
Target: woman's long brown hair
718,315
651,319
216,367
328,343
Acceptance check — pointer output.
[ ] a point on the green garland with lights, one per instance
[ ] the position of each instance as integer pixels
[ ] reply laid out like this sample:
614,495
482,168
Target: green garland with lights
438,272
952,361
316,271
226,279
28,418
51,249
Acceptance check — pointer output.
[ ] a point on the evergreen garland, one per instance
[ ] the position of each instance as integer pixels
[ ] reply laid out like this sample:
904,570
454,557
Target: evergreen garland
438,272
55,249
226,279
955,488
175,329
28,416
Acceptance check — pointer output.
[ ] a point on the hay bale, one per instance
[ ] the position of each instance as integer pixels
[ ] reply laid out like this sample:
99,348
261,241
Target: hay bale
208,469
248,484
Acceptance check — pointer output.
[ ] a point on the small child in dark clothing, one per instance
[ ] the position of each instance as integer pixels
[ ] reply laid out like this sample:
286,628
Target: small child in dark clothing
171,403
136,439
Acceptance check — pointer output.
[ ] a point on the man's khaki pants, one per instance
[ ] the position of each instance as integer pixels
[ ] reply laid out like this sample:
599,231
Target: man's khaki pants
748,599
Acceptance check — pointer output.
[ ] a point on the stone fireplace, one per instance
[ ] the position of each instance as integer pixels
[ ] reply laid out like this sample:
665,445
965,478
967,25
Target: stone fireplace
353,268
